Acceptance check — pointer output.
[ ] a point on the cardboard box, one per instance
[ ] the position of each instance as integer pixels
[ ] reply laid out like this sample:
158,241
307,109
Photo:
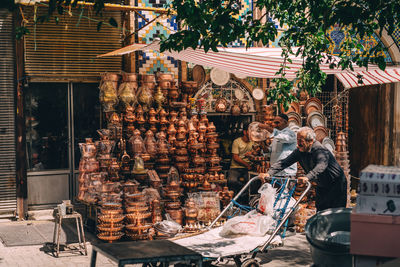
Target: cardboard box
375,235
378,205
380,181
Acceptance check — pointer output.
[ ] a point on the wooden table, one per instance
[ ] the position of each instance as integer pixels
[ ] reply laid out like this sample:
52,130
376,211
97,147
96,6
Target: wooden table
146,252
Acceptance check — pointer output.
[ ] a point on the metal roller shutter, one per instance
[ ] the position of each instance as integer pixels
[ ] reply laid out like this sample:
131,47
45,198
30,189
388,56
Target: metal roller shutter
68,51
8,200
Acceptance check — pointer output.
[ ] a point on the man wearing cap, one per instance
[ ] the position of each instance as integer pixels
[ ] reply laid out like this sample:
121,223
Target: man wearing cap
283,143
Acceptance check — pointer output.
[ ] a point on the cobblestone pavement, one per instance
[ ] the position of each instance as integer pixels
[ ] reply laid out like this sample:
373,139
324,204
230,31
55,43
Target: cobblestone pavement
295,252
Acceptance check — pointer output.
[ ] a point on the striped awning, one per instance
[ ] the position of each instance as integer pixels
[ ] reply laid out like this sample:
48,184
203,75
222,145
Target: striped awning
264,62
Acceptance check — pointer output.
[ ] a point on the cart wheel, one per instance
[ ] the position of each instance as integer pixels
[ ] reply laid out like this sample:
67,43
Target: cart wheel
250,263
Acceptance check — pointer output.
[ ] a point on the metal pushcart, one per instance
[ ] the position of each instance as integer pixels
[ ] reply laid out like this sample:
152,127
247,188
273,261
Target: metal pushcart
243,249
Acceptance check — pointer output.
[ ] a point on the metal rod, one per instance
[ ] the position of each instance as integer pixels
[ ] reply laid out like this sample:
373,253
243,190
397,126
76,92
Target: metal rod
235,198
285,218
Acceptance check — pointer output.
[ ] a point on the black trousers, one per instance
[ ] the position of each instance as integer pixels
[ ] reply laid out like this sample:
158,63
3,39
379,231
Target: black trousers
332,197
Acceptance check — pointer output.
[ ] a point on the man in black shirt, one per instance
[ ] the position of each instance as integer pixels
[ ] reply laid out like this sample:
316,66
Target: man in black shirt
320,166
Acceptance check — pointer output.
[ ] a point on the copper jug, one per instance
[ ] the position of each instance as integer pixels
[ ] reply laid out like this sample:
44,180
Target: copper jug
88,149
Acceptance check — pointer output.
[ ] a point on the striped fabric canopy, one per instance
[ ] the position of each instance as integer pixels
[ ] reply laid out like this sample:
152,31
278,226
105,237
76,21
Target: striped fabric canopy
264,62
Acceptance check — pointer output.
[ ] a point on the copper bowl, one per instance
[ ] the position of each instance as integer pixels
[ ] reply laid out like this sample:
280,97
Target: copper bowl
107,227
215,169
110,236
111,205
320,133
172,194
111,211
137,228
182,165
173,205
181,144
111,218
182,158
163,168
135,217
181,152
133,209
294,118
312,104
213,146
163,160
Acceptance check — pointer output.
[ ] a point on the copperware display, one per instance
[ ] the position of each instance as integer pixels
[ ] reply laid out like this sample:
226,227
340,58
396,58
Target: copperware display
199,75
312,104
320,133
315,119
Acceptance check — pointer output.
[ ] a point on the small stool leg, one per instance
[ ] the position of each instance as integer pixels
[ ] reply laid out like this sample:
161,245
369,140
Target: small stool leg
93,258
54,235
79,235
58,235
83,235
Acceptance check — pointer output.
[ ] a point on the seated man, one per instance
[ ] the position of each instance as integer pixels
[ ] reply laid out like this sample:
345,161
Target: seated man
240,164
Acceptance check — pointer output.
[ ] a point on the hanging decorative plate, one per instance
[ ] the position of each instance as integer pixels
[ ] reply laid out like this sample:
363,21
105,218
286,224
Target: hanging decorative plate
239,94
199,75
258,94
219,77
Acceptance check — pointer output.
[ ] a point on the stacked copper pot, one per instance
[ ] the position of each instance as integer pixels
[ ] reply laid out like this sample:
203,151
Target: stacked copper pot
137,215
342,157
87,166
173,205
110,224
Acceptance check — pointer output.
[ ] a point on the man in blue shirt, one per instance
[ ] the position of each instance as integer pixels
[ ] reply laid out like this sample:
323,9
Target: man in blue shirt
283,143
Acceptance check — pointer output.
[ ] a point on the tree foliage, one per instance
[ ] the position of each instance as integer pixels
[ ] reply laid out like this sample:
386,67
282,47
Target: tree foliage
213,23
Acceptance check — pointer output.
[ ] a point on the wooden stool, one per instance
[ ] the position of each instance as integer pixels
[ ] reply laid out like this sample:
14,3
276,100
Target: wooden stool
57,232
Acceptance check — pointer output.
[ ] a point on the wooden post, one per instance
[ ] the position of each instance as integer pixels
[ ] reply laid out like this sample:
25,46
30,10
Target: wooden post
21,178
129,59
396,124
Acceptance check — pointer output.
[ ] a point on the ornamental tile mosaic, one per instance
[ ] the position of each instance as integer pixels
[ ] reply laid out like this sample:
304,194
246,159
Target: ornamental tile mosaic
396,36
245,6
338,35
151,62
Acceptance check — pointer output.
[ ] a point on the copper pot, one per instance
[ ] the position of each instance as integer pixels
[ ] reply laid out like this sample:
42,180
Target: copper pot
148,78
165,76
235,110
173,93
176,215
110,77
129,77
149,85
164,84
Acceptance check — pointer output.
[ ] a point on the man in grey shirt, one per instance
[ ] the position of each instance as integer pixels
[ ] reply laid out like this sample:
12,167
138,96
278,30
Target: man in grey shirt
320,166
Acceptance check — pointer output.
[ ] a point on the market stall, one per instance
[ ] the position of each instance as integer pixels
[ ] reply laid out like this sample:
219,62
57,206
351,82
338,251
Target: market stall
157,157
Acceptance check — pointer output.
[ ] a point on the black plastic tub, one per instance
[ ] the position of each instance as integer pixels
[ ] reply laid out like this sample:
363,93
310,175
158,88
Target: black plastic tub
328,233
